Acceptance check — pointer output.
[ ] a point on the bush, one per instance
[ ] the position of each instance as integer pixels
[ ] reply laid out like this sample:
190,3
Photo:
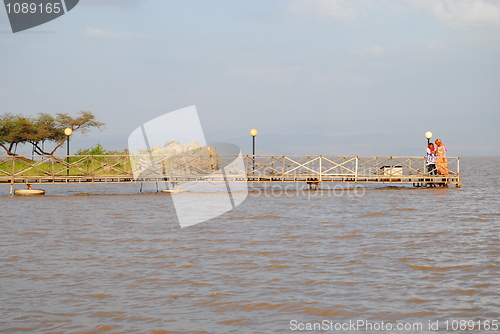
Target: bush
96,150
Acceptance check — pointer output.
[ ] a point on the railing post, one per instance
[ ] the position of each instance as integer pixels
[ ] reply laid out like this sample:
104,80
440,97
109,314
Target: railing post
356,169
92,168
12,175
320,168
13,169
245,163
52,163
283,168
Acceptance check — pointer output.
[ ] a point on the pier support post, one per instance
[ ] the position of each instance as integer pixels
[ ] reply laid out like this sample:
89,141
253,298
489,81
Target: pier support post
313,184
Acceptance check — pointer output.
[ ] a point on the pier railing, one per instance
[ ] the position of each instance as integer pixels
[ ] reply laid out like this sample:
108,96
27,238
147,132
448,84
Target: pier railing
64,168
349,169
199,167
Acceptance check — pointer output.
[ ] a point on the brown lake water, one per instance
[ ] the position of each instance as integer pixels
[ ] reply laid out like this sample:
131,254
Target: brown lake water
107,259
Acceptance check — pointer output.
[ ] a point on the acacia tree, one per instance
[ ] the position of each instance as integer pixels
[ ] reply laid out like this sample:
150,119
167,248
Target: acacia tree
37,131
14,130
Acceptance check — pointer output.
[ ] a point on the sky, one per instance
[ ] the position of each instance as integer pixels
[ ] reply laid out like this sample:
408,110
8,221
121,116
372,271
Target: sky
329,77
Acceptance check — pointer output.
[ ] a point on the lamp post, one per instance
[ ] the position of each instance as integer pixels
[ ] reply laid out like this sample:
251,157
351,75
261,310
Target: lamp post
67,132
253,133
428,135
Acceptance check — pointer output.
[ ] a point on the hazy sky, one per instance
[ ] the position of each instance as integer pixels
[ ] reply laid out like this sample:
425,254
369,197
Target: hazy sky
332,77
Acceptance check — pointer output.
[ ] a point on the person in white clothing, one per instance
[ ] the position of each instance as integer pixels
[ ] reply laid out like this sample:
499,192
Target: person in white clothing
431,159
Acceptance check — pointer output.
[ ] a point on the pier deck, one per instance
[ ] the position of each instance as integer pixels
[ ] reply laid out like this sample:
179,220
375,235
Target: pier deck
313,170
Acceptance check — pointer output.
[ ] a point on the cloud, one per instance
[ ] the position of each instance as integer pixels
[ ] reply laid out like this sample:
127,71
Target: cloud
463,13
271,74
357,80
456,14
98,32
372,51
319,78
115,3
340,10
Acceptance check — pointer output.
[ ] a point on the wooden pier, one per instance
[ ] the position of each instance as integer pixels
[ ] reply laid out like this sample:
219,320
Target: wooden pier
320,169
312,170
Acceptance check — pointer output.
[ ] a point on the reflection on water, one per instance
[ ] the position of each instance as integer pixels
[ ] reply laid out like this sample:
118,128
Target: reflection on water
121,263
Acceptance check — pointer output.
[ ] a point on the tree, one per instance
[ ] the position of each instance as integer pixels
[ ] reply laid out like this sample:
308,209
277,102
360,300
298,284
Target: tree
17,129
48,129
14,130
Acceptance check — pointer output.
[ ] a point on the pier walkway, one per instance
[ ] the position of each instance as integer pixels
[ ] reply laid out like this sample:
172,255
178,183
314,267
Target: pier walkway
313,169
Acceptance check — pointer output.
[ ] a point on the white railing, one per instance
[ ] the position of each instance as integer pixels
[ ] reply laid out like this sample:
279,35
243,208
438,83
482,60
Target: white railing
259,168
